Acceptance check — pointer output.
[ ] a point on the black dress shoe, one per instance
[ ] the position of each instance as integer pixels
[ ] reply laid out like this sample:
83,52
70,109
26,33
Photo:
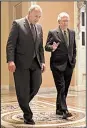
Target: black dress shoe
29,121
66,114
59,112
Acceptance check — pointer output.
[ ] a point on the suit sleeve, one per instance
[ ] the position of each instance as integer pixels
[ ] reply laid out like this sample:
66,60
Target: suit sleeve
41,49
11,43
49,42
74,51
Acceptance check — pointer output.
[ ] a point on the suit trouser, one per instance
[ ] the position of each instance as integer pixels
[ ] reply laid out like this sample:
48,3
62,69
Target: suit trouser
27,84
62,81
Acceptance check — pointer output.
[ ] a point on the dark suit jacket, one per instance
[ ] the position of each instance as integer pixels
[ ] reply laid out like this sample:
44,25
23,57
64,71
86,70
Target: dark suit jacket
21,45
62,54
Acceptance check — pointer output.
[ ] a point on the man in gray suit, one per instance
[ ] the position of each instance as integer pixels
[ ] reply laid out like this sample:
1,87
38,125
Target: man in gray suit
61,43
25,58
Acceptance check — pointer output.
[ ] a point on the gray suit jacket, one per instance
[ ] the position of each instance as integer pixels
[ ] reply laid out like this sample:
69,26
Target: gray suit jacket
21,45
62,54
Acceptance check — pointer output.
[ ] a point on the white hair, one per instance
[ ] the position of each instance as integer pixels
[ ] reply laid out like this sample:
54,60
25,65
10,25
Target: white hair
33,7
62,14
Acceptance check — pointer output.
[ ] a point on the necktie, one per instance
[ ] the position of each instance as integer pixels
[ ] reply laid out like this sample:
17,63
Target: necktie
66,38
33,31
34,35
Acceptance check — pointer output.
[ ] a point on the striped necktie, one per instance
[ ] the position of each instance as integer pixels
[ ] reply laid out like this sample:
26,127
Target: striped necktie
33,31
66,38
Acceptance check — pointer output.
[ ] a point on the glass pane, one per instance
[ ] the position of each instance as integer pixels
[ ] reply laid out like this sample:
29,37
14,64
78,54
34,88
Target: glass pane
83,38
83,19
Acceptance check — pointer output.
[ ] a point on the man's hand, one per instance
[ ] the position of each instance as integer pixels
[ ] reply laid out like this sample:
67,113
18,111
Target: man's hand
55,45
11,66
43,68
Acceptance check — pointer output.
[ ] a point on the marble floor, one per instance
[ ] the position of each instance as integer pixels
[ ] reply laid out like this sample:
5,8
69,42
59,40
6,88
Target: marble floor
43,107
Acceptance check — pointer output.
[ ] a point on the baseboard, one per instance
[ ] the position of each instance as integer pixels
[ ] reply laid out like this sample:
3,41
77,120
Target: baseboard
45,89
77,88
7,87
4,87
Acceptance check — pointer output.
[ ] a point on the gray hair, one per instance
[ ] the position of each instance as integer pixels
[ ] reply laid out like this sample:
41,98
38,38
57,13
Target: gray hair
62,14
33,7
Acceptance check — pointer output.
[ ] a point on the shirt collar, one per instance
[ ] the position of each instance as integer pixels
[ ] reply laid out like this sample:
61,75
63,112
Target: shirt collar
28,20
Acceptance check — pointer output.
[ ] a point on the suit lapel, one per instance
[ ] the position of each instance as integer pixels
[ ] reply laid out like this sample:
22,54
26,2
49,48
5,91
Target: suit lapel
60,36
37,35
70,37
36,32
26,24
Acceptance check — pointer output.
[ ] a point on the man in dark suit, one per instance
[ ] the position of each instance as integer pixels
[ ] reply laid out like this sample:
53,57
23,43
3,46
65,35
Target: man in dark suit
61,43
25,57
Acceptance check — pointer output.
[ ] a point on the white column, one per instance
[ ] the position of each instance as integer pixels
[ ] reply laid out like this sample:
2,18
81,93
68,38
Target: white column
81,55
